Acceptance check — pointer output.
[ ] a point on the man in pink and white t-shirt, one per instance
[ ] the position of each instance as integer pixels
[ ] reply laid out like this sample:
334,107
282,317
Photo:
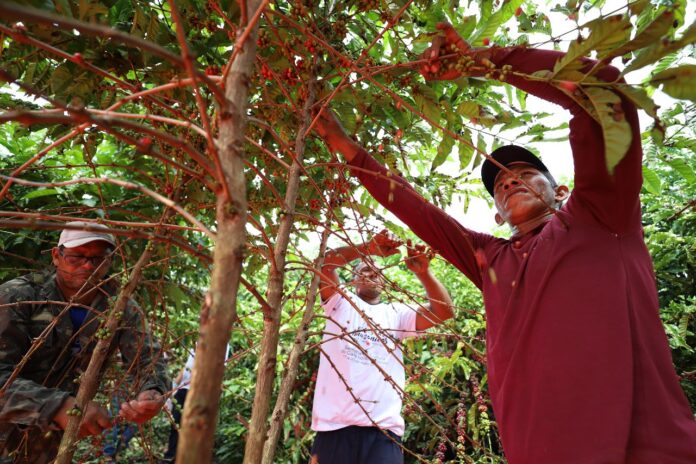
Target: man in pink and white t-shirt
360,383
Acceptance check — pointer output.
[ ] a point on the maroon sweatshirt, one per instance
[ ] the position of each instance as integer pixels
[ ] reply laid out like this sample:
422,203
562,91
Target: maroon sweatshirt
579,365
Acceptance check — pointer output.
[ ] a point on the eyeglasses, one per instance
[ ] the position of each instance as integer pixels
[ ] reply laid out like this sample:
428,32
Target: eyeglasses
79,260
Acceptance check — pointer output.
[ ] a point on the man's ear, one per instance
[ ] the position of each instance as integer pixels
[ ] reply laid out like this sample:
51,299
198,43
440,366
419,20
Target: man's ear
499,219
54,255
561,193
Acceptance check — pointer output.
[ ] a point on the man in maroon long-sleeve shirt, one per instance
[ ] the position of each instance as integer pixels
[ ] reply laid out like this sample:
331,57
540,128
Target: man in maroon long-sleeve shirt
579,365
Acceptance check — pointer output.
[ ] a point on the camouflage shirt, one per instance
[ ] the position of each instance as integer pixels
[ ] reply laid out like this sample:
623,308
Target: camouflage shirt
38,340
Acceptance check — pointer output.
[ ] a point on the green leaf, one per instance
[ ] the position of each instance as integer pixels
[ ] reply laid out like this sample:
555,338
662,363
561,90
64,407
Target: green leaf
155,31
654,31
683,168
471,420
660,49
638,6
665,62
469,109
61,79
657,134
481,148
176,295
63,8
522,99
493,23
443,151
466,26
639,97
620,28
651,181
88,10
679,82
466,150
41,192
604,34
617,134
364,210
428,107
684,325
28,76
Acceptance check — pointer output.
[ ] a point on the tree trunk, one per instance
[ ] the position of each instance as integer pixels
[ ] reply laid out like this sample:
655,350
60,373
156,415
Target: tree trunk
90,382
286,387
219,309
271,327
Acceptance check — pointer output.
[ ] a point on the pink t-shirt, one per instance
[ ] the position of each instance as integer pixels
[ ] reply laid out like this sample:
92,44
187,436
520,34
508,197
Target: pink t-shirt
361,348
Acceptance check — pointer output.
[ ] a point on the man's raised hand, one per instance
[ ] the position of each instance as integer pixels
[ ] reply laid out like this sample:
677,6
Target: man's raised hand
383,244
143,408
95,418
462,60
418,258
447,43
329,128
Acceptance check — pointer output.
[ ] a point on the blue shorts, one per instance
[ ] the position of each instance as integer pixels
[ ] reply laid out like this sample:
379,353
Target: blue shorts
357,445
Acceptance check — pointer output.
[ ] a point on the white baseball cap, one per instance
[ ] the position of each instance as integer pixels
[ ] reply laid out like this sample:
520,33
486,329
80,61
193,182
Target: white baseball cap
71,238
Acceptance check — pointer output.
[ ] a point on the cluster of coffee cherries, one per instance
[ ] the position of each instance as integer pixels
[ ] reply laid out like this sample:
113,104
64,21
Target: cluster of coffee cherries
340,27
262,39
368,5
102,333
504,71
440,454
463,63
461,428
476,389
74,411
212,70
266,72
315,204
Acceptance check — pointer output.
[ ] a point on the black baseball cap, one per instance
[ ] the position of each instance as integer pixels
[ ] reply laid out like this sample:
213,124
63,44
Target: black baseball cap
507,155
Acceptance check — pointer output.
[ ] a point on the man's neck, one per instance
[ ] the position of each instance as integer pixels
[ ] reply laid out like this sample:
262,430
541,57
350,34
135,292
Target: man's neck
372,301
532,224
84,297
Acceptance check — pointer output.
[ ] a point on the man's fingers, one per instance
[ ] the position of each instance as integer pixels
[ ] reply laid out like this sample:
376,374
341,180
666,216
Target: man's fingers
388,239
90,428
127,411
450,33
324,121
140,411
144,406
435,47
104,422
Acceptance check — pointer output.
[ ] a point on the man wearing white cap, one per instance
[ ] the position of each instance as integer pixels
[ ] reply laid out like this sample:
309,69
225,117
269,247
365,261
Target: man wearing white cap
46,344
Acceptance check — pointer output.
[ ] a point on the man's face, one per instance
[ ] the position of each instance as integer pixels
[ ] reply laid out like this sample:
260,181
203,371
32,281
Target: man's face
82,266
367,281
515,202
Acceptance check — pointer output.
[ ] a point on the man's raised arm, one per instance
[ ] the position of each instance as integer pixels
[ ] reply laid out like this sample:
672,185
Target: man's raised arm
435,227
439,302
381,244
611,198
